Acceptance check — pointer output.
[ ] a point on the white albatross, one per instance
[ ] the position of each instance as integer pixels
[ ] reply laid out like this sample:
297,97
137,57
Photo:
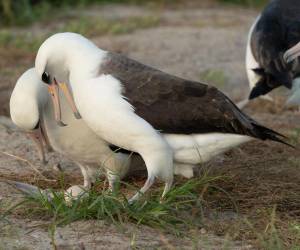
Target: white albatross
31,110
127,103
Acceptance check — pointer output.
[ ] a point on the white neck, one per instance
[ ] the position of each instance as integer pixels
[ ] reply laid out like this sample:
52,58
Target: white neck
85,64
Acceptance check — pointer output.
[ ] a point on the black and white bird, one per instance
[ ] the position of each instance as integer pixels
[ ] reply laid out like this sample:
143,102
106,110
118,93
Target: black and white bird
31,110
273,32
129,104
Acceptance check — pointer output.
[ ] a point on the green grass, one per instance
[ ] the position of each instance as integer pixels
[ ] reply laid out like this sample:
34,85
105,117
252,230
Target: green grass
180,213
214,77
25,41
294,136
91,27
169,214
24,12
248,3
273,237
87,26
270,238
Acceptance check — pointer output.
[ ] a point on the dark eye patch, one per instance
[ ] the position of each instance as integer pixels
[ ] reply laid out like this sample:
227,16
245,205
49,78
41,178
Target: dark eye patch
46,78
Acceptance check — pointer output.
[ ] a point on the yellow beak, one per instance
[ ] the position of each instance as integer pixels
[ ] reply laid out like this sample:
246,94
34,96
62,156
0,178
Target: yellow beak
66,91
53,89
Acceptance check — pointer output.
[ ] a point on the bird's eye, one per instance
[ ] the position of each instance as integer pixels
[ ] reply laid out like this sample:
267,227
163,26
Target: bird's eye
46,78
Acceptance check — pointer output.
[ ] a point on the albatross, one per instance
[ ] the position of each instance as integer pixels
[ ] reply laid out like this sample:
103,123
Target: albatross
130,105
274,31
31,110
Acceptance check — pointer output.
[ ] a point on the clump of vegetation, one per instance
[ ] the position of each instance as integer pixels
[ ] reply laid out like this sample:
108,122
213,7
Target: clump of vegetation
87,26
90,27
249,3
24,12
276,234
169,214
214,77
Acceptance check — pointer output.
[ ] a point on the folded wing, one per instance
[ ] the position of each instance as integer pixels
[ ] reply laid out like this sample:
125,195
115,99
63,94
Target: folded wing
175,105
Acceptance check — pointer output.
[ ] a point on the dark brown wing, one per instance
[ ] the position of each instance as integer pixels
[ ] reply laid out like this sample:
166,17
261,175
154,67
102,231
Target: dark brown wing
174,105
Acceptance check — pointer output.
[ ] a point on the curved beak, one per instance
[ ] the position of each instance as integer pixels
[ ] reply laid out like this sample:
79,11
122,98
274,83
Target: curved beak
67,94
37,136
53,90
291,54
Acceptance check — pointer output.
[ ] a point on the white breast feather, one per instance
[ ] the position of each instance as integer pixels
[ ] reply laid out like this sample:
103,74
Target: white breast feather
251,63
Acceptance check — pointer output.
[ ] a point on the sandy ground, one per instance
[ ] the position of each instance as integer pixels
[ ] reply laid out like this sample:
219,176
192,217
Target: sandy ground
188,42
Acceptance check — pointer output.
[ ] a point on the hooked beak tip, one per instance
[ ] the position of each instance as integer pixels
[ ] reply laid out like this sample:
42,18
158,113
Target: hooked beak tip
253,96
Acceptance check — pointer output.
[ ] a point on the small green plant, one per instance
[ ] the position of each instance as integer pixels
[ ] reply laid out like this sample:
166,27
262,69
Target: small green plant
271,237
29,42
96,26
23,12
214,77
249,3
294,135
168,214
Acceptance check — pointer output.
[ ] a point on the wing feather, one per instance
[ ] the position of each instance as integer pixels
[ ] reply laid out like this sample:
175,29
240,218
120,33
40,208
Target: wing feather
175,105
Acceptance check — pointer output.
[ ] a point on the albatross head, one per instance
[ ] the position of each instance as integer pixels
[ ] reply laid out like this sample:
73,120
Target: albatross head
62,56
269,79
26,104
27,100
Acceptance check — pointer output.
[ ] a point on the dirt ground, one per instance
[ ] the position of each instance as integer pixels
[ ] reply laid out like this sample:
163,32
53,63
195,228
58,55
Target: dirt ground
189,41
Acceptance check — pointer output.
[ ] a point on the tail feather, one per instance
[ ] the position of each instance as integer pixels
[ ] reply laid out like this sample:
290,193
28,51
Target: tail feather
264,133
252,128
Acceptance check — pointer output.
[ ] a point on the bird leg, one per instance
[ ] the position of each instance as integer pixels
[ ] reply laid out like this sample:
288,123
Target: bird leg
113,180
89,176
147,185
158,157
167,188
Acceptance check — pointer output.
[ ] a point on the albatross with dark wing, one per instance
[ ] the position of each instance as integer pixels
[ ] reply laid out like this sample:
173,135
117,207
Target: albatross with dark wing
273,32
31,110
129,104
